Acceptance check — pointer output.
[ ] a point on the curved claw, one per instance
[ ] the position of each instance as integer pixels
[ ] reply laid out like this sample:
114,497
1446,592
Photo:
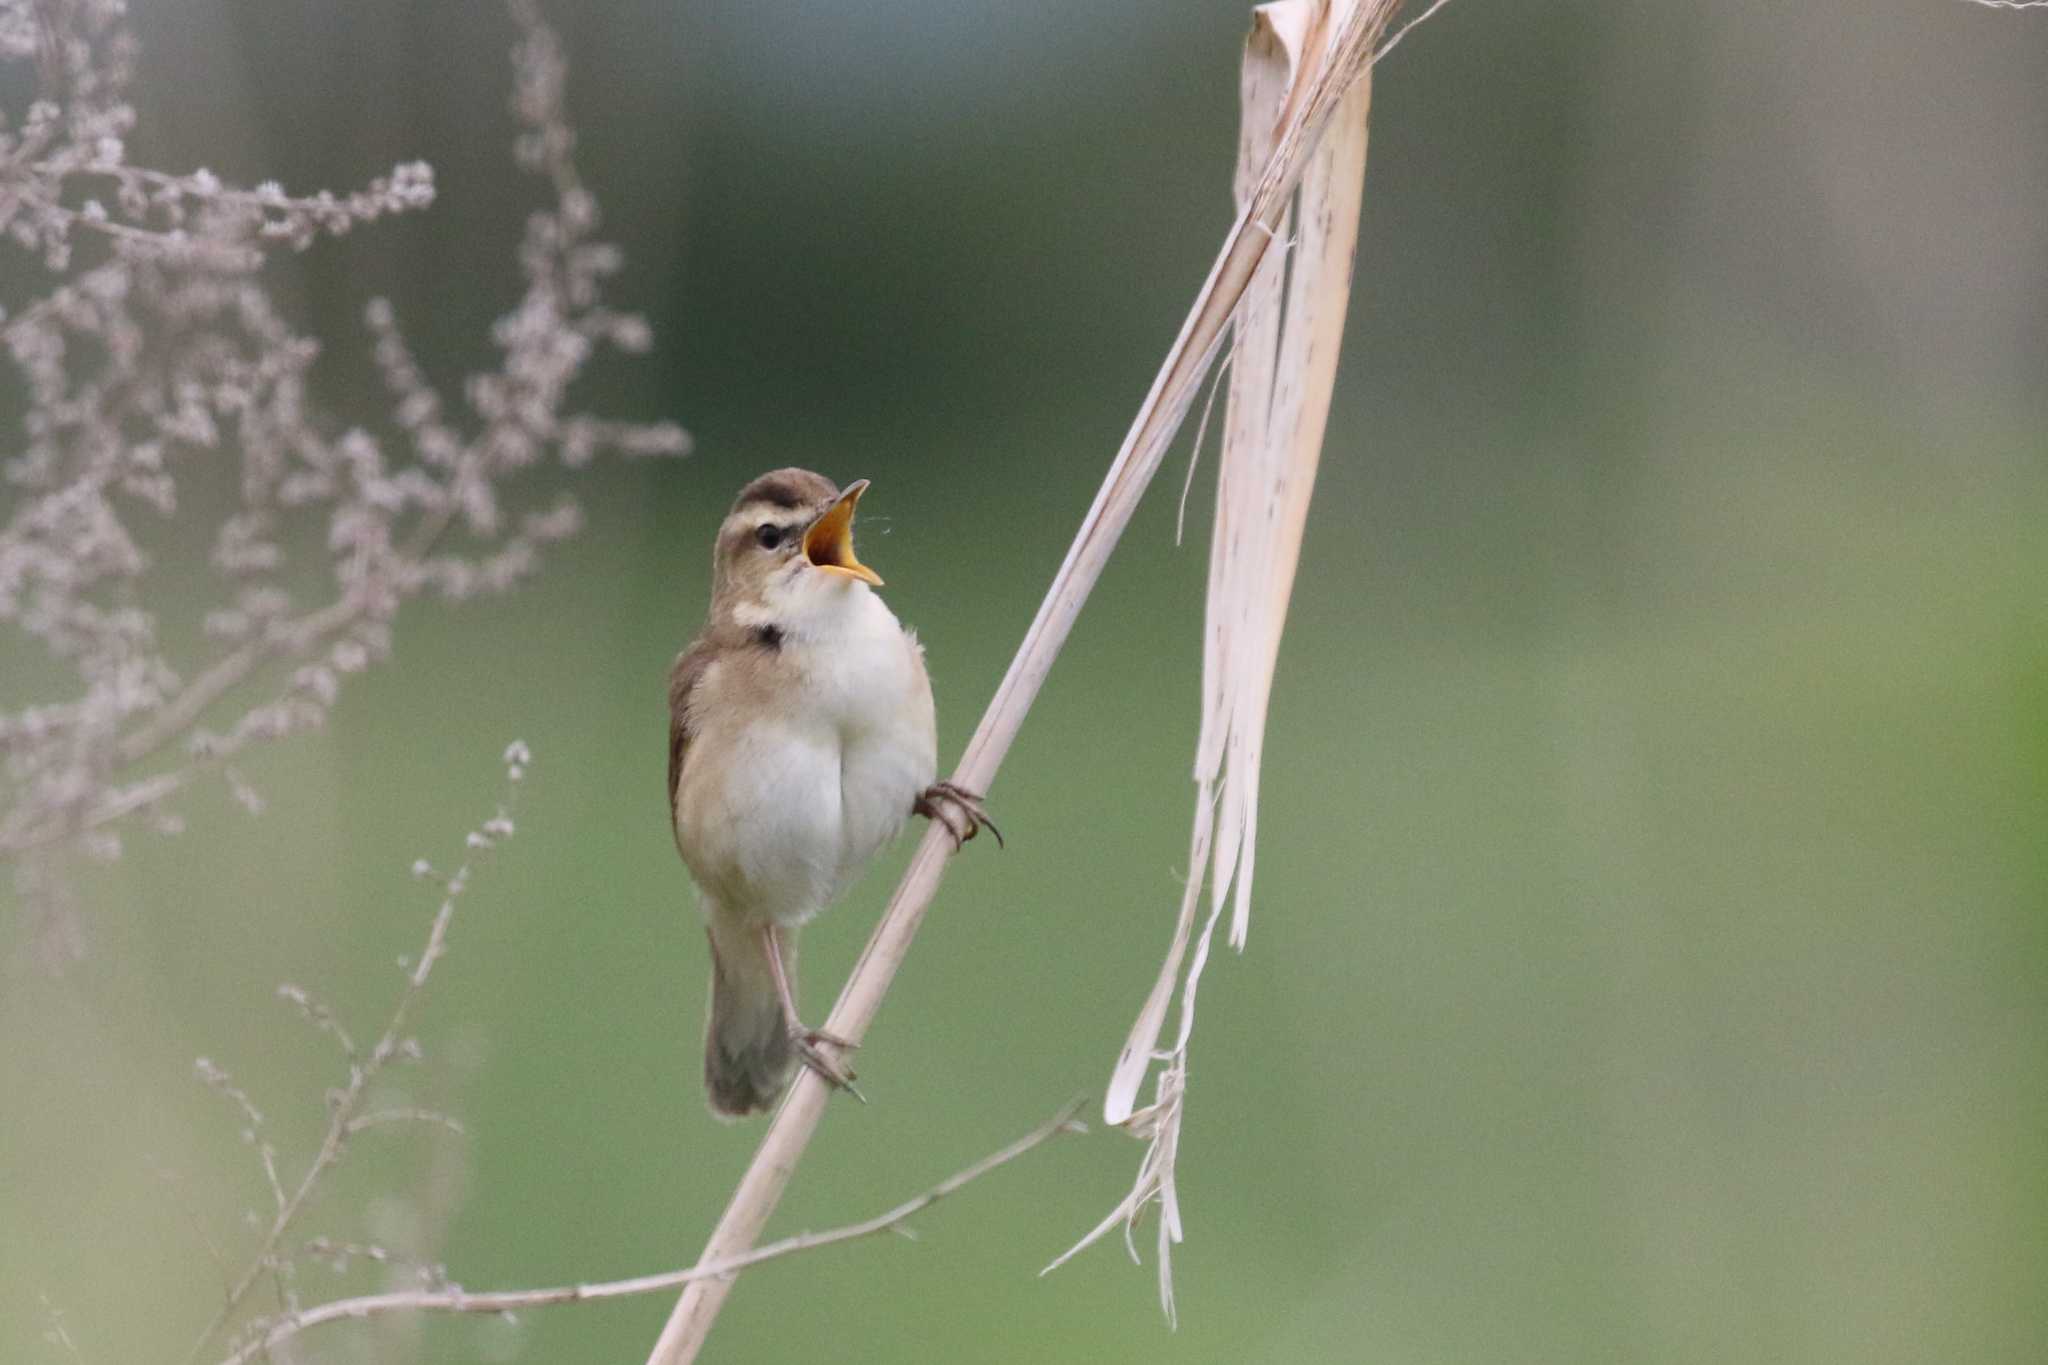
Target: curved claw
828,1070
941,799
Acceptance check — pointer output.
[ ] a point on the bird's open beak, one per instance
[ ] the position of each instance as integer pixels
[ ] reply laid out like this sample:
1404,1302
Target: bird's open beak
829,542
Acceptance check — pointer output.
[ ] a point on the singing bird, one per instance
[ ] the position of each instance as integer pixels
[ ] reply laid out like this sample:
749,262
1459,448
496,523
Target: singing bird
801,739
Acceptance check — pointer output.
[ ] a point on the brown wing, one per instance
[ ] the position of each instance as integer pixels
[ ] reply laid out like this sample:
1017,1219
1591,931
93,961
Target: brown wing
683,678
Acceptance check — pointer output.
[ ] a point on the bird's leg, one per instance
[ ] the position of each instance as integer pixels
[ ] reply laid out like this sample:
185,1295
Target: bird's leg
771,941
941,800
807,1039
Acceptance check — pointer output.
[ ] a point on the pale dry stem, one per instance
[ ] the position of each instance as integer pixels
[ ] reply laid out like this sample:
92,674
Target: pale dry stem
507,1301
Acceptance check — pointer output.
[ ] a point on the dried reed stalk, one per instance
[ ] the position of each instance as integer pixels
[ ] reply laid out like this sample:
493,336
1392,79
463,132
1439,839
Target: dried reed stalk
1352,44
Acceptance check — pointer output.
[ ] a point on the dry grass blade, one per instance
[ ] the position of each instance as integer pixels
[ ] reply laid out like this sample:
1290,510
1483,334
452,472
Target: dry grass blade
1288,333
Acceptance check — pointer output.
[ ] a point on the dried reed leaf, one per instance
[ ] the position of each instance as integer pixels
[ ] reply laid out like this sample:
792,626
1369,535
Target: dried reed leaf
1288,331
1269,77
1279,404
1279,471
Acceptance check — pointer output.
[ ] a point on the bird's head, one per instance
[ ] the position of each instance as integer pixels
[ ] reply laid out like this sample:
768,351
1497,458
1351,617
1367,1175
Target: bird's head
785,551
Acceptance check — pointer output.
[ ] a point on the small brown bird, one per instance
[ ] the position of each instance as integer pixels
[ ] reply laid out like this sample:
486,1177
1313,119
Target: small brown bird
801,738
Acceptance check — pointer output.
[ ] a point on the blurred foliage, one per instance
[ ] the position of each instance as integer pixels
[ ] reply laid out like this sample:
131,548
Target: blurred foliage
1653,912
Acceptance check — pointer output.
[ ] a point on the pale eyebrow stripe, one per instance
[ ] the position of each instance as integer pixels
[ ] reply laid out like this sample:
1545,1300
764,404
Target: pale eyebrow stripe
763,509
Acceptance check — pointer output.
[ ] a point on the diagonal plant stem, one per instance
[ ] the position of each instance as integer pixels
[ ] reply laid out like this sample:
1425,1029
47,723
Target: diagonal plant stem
507,1301
1352,49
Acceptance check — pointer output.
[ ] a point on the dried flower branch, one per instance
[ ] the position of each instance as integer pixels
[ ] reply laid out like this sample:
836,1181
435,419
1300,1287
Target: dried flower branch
1353,47
455,1299
153,342
346,1114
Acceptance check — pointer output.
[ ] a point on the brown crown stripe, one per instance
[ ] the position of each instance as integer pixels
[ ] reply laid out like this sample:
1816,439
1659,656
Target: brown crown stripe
787,488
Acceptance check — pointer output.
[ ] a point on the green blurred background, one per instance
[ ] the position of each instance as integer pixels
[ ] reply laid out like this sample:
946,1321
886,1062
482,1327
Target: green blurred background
1650,960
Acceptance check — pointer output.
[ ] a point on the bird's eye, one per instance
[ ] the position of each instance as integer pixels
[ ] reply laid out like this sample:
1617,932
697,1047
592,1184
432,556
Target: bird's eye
768,535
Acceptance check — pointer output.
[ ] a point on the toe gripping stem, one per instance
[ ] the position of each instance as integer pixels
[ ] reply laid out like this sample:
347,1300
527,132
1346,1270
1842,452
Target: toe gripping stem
958,809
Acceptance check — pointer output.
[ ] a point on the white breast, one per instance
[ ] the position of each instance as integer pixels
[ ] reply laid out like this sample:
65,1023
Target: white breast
871,682
780,810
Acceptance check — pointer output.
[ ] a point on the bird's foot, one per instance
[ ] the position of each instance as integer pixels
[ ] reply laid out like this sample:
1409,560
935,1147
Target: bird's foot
814,1036
810,1046
958,809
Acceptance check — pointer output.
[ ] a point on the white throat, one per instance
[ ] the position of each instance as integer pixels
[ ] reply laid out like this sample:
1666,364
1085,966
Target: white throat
812,605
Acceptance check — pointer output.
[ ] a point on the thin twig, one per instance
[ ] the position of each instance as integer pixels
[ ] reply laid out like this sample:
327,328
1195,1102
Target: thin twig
1159,417
431,1117
58,1332
179,713
506,1301
293,641
344,1120
1402,32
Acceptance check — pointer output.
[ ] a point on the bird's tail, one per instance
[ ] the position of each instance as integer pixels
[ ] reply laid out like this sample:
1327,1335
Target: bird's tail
748,1054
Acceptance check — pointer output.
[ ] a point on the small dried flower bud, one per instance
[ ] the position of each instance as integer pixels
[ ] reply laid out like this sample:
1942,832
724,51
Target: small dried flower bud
246,796
319,683
631,333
